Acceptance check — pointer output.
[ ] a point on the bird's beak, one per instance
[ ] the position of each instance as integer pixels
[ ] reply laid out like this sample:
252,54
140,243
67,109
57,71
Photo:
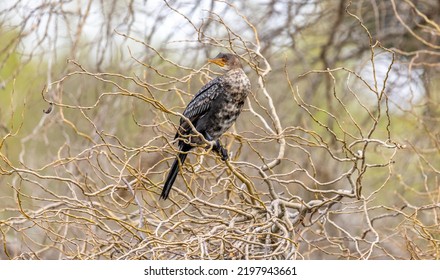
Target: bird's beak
220,62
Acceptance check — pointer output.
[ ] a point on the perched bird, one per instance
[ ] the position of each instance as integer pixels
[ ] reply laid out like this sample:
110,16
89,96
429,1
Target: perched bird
212,111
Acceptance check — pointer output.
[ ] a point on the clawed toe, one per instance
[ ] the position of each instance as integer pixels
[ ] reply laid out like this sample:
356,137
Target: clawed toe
224,154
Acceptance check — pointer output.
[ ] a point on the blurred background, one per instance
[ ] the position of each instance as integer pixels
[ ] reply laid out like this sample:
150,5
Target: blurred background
336,155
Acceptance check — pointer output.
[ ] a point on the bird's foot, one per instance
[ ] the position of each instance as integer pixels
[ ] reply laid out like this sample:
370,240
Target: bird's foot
223,154
218,148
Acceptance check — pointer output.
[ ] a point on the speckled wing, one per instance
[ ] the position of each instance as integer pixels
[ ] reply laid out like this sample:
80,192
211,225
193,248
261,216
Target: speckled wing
200,104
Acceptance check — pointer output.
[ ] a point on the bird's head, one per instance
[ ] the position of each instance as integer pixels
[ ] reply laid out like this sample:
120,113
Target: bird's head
226,61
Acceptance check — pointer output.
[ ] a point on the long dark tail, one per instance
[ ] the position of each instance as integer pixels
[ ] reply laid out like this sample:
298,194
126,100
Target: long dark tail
172,175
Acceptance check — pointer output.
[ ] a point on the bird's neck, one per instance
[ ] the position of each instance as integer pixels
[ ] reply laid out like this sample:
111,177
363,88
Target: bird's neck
233,71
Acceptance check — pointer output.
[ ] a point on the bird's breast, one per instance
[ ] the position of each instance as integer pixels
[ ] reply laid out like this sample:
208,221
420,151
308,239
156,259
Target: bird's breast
235,87
236,84
226,114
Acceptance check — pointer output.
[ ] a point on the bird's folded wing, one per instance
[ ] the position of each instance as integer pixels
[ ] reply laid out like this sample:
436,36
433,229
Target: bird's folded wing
202,101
